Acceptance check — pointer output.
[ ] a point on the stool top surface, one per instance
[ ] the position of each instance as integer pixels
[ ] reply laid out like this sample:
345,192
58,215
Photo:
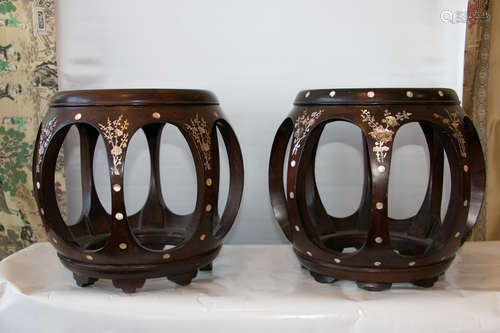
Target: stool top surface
134,97
371,96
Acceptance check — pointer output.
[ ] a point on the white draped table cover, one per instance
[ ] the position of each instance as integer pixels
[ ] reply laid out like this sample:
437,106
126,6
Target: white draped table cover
253,288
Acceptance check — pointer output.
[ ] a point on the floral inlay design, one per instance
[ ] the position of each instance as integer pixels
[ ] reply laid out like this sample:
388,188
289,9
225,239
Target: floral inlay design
383,133
115,133
302,127
197,127
45,135
453,123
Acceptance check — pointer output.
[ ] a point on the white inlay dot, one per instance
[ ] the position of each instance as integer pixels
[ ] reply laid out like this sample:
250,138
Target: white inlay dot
292,195
78,116
411,263
89,257
466,168
308,94
466,202
440,93
370,94
293,163
297,228
156,115
409,94
123,246
166,256
377,263
332,93
208,208
457,234
379,205
119,216
378,240
337,260
203,236
117,188
38,185
309,254
381,168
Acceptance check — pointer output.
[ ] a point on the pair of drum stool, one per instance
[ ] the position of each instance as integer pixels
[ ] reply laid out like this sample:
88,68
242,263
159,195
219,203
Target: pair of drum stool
155,242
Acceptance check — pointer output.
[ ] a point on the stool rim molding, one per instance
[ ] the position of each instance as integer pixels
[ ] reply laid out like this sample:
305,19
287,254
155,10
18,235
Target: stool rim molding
376,96
132,97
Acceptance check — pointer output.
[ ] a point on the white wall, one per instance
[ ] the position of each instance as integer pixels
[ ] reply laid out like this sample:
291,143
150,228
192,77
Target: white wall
256,55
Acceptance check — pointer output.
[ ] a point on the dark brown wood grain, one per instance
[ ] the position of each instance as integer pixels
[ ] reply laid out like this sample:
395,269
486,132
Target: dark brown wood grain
417,249
131,249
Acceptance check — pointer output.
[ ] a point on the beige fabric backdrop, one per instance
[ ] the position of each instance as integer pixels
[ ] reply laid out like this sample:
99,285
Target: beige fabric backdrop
475,91
493,129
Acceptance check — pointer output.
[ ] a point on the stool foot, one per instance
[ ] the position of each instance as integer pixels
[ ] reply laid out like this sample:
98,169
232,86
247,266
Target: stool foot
374,286
426,283
207,268
83,280
323,278
183,279
128,285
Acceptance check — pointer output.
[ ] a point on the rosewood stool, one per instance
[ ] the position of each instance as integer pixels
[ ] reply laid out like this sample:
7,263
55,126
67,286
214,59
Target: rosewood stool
418,249
130,249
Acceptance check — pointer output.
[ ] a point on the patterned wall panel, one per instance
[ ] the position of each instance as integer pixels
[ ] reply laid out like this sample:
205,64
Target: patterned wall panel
28,78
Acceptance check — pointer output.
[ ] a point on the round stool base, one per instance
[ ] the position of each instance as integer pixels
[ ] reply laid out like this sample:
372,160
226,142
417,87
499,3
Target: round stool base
131,277
374,279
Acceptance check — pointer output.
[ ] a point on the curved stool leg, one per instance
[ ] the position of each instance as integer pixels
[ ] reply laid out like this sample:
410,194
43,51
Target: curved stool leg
276,186
236,173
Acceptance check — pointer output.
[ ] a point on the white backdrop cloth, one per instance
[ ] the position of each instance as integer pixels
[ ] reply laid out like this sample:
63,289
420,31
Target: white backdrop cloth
255,56
253,288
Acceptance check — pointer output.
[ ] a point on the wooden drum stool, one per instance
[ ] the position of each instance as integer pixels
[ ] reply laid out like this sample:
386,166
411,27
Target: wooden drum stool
386,250
130,249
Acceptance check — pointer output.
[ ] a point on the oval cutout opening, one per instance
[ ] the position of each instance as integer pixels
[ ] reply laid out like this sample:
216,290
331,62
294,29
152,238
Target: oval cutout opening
177,172
68,179
224,174
445,200
409,172
137,173
86,219
339,168
101,172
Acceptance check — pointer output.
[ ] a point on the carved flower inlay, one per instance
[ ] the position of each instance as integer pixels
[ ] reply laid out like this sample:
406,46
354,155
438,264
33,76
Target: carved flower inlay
383,133
454,124
45,134
116,135
197,128
303,126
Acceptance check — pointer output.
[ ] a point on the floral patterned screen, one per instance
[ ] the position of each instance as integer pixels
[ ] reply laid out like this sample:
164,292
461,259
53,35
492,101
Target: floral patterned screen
28,79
